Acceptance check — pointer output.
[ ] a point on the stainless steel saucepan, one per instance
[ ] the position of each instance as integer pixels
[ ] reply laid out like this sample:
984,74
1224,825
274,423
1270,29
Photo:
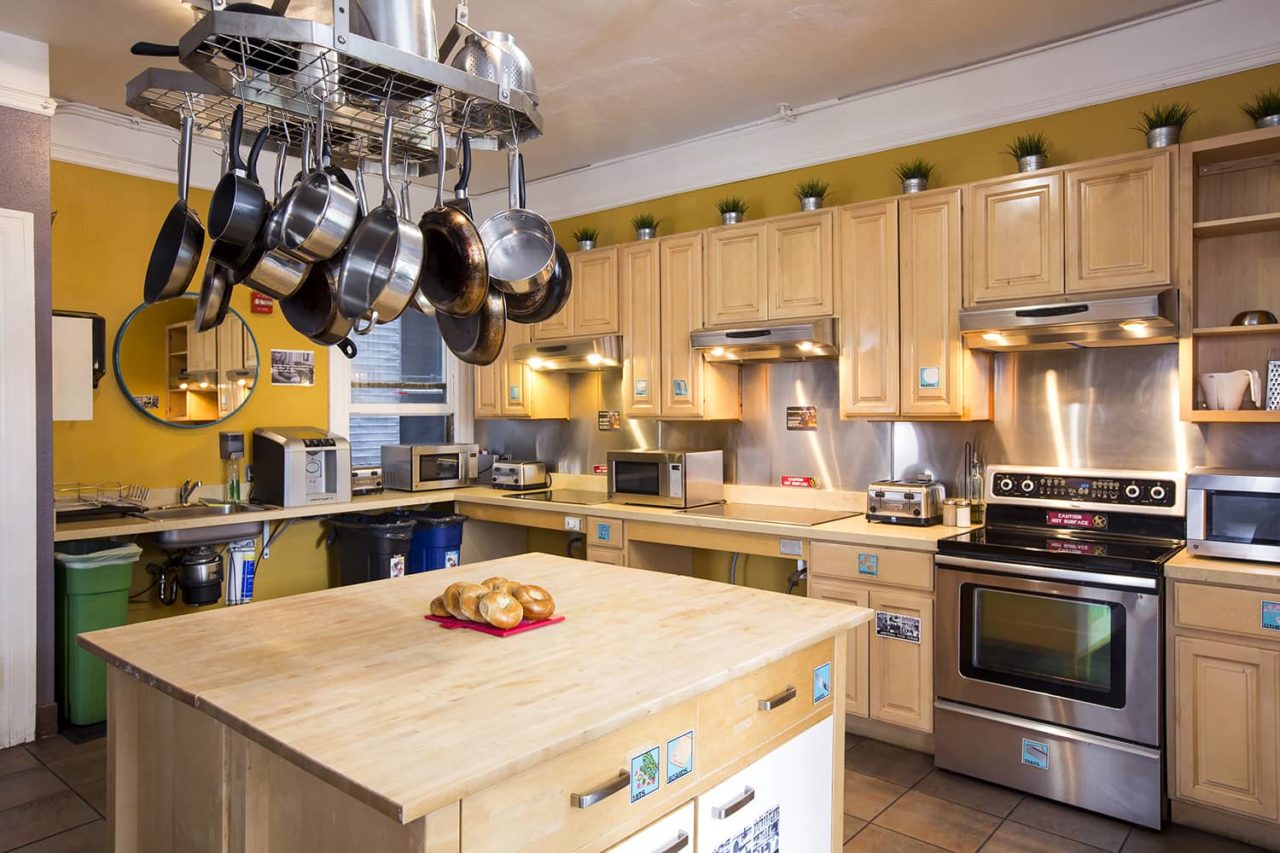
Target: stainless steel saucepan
271,270
519,244
322,213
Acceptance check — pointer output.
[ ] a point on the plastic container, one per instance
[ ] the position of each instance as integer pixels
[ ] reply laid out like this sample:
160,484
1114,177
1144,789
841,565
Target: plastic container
437,542
91,588
370,547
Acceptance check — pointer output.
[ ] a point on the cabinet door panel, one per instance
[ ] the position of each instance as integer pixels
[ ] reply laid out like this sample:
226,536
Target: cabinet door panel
857,661
902,671
869,309
801,252
1226,726
641,334
595,293
932,382
1118,224
1017,239
562,324
737,275
488,388
514,394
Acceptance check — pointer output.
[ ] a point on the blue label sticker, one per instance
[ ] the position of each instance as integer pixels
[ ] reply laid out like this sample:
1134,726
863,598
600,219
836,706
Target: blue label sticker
931,377
1271,615
642,387
513,392
868,564
1035,753
680,387
603,529
821,682
679,757
644,774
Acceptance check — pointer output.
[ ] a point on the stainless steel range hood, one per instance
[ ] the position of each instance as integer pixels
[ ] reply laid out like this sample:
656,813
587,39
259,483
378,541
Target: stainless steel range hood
1105,321
794,342
577,356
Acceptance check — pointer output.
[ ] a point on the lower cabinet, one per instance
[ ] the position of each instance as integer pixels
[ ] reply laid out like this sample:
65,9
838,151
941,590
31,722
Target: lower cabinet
901,670
666,835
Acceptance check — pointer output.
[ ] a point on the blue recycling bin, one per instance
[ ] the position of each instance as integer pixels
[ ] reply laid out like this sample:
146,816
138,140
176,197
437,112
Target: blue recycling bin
437,542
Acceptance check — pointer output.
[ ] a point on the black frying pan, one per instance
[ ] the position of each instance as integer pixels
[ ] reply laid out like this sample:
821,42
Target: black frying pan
543,303
455,270
215,297
258,54
477,339
181,239
312,310
239,204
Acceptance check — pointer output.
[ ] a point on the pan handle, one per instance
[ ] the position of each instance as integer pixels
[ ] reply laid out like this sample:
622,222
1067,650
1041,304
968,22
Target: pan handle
371,321
237,128
347,347
256,150
520,162
464,173
388,192
184,156
148,48
515,177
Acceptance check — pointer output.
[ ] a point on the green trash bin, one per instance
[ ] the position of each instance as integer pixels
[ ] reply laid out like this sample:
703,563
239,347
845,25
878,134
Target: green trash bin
92,591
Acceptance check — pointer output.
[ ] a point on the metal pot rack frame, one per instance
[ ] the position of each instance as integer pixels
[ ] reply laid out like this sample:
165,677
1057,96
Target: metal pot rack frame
285,69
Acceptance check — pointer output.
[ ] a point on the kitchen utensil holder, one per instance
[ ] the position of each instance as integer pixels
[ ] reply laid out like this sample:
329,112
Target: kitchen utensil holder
1273,381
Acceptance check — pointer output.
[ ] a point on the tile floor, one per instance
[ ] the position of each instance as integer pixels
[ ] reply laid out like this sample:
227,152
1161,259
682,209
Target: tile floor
53,796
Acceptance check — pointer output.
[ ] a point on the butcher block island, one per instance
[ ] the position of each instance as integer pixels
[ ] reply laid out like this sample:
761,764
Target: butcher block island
663,713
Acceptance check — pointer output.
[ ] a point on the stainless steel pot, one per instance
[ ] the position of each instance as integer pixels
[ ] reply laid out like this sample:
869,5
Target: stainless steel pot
272,271
520,245
321,214
408,25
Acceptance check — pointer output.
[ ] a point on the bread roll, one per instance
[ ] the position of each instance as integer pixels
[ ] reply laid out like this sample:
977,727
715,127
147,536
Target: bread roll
500,584
469,600
450,597
438,608
536,601
500,609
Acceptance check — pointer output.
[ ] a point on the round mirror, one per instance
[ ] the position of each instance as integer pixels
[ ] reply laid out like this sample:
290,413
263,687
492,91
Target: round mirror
178,376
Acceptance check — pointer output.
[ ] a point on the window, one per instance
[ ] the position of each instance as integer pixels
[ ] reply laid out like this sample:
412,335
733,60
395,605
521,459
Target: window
401,388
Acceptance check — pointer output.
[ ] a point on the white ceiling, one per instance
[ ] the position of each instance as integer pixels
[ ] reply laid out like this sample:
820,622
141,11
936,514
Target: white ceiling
619,78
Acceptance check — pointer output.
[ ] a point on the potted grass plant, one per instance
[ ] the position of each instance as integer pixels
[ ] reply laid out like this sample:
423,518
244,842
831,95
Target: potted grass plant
646,225
914,174
811,193
1163,123
732,209
1265,109
1031,150
586,238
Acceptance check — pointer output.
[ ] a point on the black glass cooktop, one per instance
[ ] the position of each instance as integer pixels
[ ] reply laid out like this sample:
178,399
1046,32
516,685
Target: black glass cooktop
1072,549
563,496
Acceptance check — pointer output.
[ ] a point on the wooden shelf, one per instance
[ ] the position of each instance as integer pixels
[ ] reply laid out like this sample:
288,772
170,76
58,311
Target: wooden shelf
1225,331
1257,224
1240,416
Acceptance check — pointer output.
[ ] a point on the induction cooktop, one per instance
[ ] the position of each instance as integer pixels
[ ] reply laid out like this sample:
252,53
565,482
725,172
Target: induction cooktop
564,496
798,516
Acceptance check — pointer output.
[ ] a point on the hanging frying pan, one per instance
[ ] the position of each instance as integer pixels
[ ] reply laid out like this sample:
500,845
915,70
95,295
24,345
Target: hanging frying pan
215,297
313,310
239,204
181,239
544,302
455,271
477,339
259,54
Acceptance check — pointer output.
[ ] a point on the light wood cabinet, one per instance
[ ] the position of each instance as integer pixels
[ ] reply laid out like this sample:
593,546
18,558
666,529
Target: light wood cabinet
638,275
508,388
868,235
1119,223
901,671
857,661
1226,726
592,309
737,275
488,388
1015,239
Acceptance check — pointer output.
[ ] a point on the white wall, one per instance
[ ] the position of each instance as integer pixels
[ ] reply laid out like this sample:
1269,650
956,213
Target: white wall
24,74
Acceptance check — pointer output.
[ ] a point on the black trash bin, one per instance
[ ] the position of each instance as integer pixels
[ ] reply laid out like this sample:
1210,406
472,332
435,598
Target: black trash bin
370,547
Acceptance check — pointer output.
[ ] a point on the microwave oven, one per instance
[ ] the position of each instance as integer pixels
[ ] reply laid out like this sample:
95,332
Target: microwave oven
666,478
421,467
1234,514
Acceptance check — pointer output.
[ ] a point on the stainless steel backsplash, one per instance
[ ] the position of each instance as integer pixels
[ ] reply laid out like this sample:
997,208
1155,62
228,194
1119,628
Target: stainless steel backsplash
1103,408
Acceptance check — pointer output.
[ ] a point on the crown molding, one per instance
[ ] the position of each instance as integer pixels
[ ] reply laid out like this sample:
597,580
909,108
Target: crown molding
29,102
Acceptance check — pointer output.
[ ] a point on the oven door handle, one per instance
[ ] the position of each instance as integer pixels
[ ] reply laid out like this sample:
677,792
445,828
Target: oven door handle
1023,569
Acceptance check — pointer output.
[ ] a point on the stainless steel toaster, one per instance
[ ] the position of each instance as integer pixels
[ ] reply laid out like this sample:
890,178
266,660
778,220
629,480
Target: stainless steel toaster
520,476
913,502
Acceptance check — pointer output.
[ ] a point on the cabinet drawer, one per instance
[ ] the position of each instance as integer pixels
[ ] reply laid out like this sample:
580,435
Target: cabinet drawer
1225,609
665,835
872,565
752,710
535,810
612,556
605,533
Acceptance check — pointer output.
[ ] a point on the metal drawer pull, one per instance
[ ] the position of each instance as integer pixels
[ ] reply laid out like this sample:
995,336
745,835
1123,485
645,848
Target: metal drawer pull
781,699
681,841
735,805
586,801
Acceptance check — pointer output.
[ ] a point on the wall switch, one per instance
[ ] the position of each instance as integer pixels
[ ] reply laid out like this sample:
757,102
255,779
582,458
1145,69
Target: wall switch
573,522
790,547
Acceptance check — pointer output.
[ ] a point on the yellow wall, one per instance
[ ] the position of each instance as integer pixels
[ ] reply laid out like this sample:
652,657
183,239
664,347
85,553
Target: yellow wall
1083,134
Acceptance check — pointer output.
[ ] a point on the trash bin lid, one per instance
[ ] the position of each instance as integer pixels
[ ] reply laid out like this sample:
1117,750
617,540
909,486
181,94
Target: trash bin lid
451,520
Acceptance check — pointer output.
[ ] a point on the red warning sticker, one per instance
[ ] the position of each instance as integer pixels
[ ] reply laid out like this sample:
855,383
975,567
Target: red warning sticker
799,482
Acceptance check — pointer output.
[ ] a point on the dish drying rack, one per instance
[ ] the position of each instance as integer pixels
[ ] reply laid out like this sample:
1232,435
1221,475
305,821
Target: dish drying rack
98,500
286,70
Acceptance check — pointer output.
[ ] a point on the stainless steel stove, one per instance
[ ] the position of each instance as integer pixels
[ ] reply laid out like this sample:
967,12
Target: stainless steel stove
798,516
1048,660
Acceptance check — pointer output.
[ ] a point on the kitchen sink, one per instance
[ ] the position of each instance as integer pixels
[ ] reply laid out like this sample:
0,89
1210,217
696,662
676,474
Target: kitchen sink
243,527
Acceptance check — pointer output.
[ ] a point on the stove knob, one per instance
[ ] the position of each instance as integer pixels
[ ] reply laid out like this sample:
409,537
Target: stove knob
1006,485
1028,486
1132,491
1157,493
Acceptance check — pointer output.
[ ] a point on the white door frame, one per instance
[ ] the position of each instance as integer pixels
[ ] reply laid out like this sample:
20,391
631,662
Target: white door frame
18,483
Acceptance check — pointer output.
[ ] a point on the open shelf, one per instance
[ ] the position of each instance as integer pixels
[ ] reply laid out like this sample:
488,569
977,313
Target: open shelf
1234,225
1224,331
1240,416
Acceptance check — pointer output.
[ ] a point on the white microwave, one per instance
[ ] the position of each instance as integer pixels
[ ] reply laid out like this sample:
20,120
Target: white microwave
1234,514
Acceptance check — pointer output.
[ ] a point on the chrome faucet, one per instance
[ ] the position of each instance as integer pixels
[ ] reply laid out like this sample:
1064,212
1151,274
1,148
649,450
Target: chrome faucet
186,490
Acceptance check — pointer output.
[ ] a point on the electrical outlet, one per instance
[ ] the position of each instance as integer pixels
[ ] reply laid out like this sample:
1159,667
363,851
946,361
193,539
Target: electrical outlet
573,522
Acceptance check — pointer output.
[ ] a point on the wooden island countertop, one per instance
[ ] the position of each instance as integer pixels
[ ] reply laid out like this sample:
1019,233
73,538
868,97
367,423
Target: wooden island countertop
353,686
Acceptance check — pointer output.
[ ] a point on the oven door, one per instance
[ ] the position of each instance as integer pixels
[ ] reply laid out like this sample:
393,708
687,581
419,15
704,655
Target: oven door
1078,649
652,479
439,469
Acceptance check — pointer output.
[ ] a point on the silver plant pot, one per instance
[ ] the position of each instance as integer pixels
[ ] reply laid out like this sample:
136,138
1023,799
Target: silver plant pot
1032,162
732,218
586,245
1268,121
915,185
1163,137
811,202
646,233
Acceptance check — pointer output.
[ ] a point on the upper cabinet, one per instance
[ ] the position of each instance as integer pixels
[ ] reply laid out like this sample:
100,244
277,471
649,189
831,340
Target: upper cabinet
868,326
512,389
1098,226
592,309
641,330
778,269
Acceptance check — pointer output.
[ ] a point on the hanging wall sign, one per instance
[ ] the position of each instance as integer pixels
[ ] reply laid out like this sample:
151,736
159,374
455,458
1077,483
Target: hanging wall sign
803,418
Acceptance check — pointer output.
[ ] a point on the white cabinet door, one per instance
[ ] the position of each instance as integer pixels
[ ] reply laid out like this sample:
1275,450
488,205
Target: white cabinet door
668,834
781,802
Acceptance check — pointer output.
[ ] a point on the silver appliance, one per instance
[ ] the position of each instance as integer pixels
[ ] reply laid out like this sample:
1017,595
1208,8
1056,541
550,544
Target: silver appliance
917,503
520,476
1048,667
300,466
572,356
366,480
1149,317
422,467
805,341
666,478
1234,514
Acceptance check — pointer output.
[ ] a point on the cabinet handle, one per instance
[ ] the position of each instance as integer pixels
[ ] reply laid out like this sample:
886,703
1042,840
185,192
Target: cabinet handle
681,841
613,786
777,701
735,805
